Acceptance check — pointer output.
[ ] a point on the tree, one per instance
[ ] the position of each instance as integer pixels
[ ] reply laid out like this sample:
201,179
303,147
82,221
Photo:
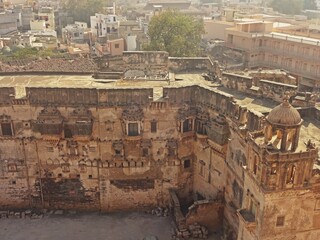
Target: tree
176,33
287,6
81,10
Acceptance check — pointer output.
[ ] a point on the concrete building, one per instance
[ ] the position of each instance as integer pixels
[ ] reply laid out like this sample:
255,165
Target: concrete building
46,14
26,17
9,22
38,25
110,47
73,33
264,48
153,135
104,26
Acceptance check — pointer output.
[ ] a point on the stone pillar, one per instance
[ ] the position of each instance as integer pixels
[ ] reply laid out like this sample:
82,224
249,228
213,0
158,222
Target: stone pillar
284,140
295,141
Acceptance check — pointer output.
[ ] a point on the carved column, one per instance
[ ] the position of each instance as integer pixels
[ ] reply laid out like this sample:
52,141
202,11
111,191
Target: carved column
295,140
284,140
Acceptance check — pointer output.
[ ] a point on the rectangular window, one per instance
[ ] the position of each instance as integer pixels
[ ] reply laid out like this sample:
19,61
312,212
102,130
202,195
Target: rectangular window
12,168
92,148
201,128
133,129
171,152
50,149
6,129
202,166
117,45
187,163
145,152
153,126
187,125
280,221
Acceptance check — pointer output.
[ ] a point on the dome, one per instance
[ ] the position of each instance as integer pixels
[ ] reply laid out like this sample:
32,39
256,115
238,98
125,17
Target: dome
284,114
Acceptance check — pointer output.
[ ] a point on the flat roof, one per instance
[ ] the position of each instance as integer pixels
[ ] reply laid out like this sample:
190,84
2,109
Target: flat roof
293,38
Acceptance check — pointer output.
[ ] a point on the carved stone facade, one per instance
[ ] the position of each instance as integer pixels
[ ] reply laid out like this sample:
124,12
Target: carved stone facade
116,148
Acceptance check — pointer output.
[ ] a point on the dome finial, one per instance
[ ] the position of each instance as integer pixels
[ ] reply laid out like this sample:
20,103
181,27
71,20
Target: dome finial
286,98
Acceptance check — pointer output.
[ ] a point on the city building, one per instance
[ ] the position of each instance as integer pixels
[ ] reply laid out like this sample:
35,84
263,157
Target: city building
262,47
9,22
74,33
106,26
46,14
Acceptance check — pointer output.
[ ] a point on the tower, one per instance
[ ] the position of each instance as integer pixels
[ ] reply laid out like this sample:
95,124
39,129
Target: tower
277,182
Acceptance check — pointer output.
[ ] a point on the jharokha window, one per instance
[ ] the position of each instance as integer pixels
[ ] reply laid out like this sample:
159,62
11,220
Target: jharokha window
6,126
133,129
6,129
201,127
153,126
187,125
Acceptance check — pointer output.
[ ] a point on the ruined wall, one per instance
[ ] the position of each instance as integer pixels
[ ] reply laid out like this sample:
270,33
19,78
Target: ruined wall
236,81
145,63
206,213
185,64
274,90
272,87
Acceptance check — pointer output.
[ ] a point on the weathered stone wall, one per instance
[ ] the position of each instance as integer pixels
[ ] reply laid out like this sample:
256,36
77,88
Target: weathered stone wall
185,64
145,63
274,90
5,95
295,207
206,213
236,81
195,140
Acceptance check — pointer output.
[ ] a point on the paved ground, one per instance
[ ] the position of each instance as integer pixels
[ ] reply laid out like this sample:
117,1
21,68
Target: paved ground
90,226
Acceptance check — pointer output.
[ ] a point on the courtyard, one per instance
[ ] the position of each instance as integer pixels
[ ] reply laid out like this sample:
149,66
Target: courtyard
87,226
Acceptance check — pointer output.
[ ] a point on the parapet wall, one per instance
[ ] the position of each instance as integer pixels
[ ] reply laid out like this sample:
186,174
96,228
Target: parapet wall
185,64
145,63
86,96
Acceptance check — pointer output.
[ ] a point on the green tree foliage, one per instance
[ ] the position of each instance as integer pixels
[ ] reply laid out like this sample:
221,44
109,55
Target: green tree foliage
176,33
81,10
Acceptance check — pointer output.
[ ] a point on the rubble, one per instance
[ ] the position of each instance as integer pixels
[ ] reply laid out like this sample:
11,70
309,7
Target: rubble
160,212
195,231
31,214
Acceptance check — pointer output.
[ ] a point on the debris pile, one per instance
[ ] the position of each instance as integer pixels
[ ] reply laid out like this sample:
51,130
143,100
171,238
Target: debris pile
160,212
195,231
21,214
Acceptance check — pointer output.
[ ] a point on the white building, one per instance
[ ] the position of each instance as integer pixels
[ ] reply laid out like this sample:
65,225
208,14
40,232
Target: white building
104,25
74,33
37,25
46,14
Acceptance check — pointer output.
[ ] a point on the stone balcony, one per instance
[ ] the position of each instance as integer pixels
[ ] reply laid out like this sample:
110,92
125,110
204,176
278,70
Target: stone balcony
247,218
